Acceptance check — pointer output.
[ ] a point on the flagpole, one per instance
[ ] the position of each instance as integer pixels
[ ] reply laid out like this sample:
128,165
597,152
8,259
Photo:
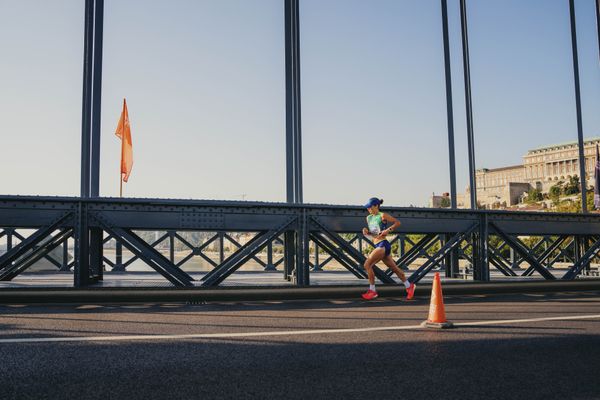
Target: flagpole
122,148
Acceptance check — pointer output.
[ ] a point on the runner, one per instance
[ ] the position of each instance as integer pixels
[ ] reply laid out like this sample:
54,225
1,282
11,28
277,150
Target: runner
378,230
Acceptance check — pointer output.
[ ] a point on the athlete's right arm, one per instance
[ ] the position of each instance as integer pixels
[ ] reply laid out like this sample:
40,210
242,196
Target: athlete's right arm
365,231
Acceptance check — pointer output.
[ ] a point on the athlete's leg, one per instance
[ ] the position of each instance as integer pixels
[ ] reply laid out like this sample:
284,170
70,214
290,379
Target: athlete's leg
410,287
376,255
391,264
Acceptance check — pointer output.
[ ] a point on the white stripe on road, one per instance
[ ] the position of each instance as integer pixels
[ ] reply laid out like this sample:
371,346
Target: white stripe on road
278,333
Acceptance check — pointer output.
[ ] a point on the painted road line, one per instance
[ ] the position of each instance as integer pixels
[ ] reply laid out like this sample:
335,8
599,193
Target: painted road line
278,333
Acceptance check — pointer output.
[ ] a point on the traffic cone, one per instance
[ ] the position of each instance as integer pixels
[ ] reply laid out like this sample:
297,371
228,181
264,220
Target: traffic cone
437,314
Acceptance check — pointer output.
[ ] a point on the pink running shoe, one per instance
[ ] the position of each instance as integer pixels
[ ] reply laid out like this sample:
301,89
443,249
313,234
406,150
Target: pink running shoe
410,291
370,295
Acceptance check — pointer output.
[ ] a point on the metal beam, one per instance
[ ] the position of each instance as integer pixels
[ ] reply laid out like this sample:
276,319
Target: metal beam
516,244
240,257
439,256
449,109
88,57
547,253
580,141
293,108
36,254
96,95
583,261
468,102
33,240
231,257
146,253
346,261
355,254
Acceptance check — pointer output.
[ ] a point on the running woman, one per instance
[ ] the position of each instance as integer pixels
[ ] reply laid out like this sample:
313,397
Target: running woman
378,230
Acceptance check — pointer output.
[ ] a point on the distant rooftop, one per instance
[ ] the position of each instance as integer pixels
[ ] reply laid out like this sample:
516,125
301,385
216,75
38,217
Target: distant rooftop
571,143
500,169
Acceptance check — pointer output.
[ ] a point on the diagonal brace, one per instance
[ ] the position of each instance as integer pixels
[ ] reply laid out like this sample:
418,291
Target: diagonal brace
441,254
523,252
236,260
583,261
357,255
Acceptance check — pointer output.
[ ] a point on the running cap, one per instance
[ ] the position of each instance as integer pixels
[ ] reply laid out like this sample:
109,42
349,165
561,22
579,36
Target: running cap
373,201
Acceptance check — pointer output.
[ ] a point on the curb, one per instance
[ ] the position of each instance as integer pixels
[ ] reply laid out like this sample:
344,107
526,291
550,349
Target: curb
200,295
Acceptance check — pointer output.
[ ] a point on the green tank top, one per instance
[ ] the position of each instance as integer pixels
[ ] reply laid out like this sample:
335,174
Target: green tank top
376,224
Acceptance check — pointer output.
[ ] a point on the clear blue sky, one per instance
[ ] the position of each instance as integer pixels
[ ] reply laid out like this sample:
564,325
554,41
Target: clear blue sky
204,81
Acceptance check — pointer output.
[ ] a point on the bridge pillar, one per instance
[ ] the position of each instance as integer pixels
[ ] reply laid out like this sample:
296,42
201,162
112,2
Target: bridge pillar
289,254
481,267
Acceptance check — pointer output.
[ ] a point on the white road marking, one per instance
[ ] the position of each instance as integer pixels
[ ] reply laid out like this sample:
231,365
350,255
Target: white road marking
278,333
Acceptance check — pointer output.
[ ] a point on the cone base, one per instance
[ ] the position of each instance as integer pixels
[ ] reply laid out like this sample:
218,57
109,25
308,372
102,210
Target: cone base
437,325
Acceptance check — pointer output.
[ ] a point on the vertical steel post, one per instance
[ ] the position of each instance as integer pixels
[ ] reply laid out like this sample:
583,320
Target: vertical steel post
580,141
9,237
297,100
82,235
82,249
317,266
481,272
118,257
96,97
577,249
401,239
289,125
88,57
448,259
468,102
302,251
513,258
449,108
96,239
221,247
270,266
65,256
289,253
96,255
294,241
172,246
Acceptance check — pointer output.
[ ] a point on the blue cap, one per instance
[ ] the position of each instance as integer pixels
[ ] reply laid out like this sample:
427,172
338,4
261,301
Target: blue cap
373,201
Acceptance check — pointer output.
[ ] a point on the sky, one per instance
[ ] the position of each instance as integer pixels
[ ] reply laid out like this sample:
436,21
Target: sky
205,88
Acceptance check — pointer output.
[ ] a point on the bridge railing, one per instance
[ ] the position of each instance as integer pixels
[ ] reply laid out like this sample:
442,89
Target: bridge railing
299,240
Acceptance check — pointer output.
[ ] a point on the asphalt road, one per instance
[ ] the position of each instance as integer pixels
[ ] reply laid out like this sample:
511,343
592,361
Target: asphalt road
542,346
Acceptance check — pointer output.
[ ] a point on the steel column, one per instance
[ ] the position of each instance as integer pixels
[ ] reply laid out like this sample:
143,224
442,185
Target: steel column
270,266
82,247
118,256
580,141
449,109
468,102
317,266
302,266
88,57
65,256
96,97
481,269
9,239
90,134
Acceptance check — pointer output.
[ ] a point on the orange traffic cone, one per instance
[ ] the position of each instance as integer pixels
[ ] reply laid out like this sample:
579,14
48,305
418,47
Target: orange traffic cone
437,314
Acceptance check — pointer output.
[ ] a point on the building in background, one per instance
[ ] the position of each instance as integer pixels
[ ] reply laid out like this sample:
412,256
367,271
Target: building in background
542,168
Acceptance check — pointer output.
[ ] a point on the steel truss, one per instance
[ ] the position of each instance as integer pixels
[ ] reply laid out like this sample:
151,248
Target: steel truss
484,239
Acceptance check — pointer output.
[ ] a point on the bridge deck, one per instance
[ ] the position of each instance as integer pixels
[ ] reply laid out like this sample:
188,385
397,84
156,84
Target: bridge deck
516,346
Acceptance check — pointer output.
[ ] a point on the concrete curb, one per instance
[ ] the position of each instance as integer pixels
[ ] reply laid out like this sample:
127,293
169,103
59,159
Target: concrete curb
200,295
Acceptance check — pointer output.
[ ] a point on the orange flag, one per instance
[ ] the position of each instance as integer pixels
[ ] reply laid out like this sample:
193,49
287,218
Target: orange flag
124,133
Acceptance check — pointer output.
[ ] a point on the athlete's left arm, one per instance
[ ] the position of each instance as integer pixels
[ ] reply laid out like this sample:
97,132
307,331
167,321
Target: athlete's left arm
394,221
